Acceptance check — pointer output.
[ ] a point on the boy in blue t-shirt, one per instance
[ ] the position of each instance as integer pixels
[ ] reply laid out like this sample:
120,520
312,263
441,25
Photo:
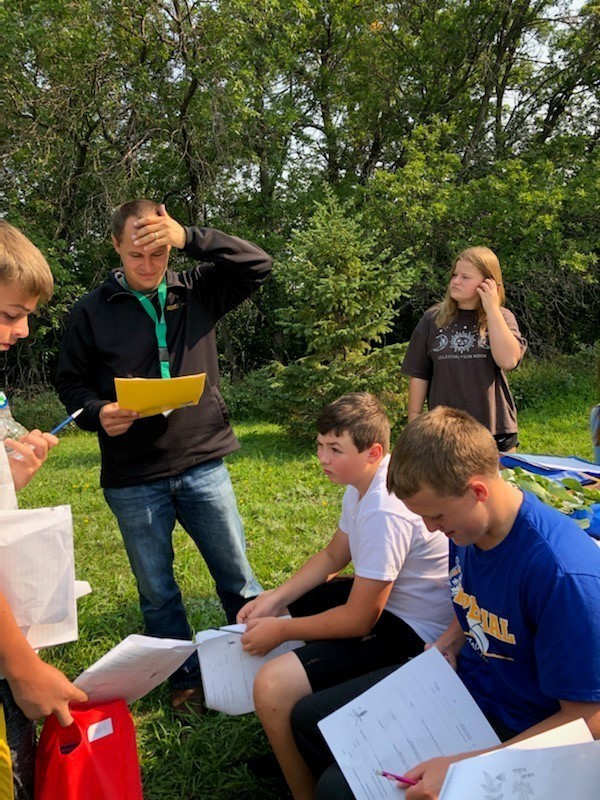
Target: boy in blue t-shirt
525,584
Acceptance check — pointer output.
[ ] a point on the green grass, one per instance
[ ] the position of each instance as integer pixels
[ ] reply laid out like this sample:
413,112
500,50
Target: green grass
289,511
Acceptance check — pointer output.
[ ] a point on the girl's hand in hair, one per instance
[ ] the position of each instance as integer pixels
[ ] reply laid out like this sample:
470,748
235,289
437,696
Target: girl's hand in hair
488,293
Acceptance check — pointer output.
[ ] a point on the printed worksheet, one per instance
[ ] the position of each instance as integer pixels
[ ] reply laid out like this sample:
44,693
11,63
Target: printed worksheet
134,667
420,711
228,672
527,774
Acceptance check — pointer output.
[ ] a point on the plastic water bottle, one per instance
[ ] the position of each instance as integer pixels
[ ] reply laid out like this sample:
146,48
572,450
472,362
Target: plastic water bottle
9,427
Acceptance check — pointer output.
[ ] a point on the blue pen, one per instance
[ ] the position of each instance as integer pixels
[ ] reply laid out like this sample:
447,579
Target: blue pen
66,421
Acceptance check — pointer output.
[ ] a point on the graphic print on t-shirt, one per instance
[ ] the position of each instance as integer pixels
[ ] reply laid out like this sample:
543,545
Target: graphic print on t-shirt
483,624
461,342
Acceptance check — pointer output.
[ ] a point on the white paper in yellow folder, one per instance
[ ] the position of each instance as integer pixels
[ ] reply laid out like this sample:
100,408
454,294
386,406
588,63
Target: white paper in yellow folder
150,396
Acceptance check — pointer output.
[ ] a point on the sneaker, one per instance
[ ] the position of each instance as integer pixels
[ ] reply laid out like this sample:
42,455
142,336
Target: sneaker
188,702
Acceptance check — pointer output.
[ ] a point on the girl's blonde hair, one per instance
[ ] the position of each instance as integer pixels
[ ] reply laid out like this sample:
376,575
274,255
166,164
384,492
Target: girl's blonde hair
486,261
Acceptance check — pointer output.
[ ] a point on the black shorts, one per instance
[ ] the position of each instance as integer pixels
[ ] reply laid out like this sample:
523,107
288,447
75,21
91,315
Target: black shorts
506,441
332,661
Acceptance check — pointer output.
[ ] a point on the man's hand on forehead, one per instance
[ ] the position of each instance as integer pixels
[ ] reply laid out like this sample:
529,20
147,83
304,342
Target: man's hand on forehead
158,230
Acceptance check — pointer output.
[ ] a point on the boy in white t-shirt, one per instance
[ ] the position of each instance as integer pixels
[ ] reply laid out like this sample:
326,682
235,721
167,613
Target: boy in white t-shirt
397,601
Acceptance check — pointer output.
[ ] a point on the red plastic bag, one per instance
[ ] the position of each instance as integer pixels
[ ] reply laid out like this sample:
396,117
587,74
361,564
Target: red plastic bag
95,758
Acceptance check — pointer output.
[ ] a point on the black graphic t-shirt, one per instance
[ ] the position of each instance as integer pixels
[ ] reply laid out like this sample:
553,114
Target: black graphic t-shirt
458,364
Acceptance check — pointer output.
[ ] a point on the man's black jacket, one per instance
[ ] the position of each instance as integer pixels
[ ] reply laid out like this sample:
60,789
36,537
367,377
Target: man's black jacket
109,335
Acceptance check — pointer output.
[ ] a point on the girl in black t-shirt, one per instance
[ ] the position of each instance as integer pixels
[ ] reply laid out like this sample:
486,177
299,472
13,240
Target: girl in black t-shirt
461,348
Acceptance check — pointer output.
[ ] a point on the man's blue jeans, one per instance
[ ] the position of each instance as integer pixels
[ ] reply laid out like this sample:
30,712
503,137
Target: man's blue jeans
203,502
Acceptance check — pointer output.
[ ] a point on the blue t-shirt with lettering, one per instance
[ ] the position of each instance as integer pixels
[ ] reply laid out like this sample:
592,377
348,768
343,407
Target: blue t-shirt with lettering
530,608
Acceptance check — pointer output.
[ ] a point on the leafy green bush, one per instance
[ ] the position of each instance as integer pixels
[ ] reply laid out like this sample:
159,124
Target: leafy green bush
566,495
37,408
249,398
554,382
299,391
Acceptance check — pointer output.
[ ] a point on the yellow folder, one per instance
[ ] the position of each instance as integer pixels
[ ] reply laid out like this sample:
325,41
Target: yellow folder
149,396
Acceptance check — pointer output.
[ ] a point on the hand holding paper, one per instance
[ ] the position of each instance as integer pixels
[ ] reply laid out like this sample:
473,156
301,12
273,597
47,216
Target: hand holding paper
150,396
228,672
262,635
115,420
416,713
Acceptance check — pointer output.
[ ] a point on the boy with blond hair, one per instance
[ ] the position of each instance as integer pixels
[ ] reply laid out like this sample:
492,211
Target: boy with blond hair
30,688
525,584
396,602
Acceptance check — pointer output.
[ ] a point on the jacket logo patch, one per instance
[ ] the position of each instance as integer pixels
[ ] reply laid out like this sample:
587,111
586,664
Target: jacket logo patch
173,307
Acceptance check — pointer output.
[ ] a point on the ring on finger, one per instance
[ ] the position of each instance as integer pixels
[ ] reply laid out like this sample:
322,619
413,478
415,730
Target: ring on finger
155,235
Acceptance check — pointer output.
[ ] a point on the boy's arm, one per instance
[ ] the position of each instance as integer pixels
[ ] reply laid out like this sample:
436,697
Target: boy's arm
320,568
450,642
38,688
430,774
240,267
355,618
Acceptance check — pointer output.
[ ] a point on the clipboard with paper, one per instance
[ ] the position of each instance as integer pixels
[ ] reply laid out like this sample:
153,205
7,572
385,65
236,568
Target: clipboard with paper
150,396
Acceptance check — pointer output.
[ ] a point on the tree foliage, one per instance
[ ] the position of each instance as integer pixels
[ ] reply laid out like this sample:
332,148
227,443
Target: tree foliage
340,293
441,122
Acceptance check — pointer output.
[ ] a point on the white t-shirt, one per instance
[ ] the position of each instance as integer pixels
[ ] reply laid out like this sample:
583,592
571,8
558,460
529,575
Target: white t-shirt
390,543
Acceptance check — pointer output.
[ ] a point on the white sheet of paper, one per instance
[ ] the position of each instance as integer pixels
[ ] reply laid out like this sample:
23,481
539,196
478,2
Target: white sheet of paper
82,588
571,733
228,672
37,573
514,773
420,711
575,732
134,667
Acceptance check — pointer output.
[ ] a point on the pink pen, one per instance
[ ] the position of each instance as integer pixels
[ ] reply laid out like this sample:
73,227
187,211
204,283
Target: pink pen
393,777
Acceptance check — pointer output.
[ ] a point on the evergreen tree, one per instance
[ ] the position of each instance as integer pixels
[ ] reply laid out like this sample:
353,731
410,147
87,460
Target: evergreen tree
341,291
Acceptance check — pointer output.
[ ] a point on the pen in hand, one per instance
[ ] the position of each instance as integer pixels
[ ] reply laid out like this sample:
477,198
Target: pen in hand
393,777
66,421
59,427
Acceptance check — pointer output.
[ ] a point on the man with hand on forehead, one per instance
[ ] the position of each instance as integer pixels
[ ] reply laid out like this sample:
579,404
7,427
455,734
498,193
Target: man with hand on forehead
147,321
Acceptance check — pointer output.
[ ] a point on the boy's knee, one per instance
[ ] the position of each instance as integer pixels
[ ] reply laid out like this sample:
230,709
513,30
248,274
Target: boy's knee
280,683
269,682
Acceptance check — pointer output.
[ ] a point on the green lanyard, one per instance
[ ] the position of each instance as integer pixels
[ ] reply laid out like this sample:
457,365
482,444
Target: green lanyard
160,325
